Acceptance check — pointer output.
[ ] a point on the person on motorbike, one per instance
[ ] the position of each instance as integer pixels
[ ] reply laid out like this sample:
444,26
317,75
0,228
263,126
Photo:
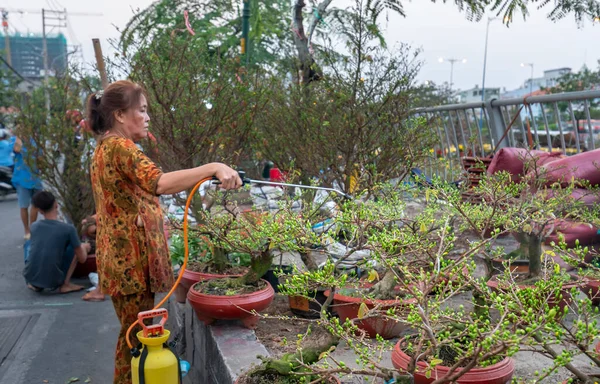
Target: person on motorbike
6,150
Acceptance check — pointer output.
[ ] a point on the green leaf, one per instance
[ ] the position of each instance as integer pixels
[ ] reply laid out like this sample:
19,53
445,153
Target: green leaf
436,362
363,310
73,380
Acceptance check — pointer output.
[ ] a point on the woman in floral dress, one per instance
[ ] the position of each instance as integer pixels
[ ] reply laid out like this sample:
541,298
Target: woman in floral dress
131,250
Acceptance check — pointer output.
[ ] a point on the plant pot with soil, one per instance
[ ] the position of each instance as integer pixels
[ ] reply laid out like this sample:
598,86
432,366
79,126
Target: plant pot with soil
275,378
206,262
369,314
545,292
498,370
256,234
230,299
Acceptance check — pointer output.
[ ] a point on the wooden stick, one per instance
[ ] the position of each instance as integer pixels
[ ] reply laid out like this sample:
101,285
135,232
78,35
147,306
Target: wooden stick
100,62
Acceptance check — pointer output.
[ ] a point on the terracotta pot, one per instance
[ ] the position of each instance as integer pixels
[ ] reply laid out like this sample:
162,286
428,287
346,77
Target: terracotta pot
591,287
303,307
515,266
209,308
188,279
475,163
552,303
499,373
347,308
84,269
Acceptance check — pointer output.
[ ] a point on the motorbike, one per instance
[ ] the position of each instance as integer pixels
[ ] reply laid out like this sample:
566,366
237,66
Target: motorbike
6,187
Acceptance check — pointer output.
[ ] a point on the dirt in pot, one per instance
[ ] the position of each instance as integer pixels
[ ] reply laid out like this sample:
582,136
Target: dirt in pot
450,354
210,268
278,335
274,378
227,287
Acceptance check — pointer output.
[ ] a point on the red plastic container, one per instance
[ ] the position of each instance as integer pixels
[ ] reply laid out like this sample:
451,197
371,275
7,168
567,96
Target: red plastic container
209,308
347,308
84,269
499,373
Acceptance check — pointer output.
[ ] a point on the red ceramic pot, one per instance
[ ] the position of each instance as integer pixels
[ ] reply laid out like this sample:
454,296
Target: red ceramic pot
552,303
209,308
590,287
190,278
515,266
499,373
84,269
347,308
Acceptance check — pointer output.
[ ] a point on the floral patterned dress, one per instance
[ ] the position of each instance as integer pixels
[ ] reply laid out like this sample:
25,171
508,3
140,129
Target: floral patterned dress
131,258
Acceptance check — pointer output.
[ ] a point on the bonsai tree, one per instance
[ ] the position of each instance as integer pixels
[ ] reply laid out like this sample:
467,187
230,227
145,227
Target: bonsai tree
256,233
59,147
417,263
535,206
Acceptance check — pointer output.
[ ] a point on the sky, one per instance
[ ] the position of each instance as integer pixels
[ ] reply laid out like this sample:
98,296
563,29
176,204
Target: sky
439,30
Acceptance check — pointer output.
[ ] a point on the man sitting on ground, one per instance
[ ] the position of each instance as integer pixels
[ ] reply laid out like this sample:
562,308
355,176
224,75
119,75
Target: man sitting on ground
54,250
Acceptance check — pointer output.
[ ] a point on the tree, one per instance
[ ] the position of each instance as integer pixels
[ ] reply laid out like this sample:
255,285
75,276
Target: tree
218,24
304,31
8,95
58,149
354,127
430,94
202,110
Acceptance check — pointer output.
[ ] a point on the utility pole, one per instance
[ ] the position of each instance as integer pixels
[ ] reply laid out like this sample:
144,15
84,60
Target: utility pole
45,46
47,17
246,31
6,37
452,61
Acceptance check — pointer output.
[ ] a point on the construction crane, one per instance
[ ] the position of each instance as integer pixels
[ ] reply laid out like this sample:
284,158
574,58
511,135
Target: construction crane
44,13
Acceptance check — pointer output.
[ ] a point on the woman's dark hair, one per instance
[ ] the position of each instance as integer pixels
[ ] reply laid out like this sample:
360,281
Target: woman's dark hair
43,200
118,96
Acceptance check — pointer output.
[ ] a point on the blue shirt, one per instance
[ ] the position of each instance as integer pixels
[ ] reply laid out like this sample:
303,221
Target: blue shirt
50,253
22,175
6,152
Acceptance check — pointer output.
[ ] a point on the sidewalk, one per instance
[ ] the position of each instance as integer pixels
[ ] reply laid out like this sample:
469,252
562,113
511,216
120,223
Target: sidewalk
48,338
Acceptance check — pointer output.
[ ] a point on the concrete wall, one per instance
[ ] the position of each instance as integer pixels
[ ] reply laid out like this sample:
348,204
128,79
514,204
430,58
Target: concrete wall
217,353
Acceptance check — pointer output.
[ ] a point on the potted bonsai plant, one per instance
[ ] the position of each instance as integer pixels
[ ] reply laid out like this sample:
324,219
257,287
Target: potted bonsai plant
257,234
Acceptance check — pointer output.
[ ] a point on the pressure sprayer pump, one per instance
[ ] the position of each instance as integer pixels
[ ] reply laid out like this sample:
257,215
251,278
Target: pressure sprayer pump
154,362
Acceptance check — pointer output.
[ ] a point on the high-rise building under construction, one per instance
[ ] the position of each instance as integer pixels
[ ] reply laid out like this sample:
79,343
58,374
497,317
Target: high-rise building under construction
27,53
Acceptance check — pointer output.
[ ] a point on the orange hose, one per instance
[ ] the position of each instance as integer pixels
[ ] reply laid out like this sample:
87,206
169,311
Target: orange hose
185,258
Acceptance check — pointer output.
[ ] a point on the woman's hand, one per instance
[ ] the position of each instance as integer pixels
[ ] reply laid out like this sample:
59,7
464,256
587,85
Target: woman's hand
229,178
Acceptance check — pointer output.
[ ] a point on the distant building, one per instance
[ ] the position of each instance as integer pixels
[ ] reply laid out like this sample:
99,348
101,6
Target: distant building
26,52
550,79
474,95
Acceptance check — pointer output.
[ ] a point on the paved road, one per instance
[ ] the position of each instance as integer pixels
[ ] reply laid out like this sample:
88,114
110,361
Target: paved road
62,336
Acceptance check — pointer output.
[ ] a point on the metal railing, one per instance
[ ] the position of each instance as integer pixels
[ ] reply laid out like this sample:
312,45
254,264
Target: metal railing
557,123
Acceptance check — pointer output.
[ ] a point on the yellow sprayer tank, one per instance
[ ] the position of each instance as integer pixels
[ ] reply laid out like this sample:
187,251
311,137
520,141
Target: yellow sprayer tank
160,365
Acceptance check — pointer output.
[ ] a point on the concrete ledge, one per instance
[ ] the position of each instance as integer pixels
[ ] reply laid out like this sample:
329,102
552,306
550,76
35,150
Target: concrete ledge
218,353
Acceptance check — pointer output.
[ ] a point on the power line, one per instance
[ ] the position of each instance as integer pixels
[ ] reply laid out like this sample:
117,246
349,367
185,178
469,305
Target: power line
14,70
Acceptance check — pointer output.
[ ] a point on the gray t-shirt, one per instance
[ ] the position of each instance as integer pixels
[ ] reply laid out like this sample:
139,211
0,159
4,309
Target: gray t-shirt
51,252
